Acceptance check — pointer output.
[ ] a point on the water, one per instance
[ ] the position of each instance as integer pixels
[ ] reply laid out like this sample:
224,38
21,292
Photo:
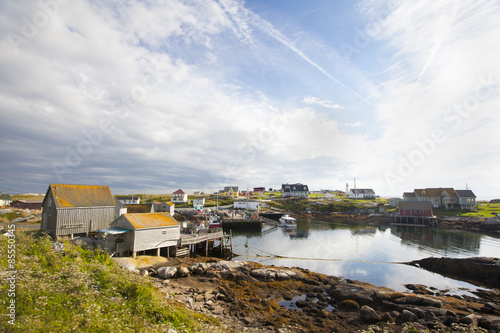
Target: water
368,253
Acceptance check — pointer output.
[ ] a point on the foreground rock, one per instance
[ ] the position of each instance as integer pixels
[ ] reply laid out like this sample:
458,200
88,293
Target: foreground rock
480,270
248,296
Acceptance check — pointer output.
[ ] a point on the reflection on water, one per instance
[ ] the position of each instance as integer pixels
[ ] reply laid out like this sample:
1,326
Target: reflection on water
459,243
362,252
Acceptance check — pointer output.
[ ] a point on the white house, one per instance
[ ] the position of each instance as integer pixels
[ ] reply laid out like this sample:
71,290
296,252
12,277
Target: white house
5,199
244,204
198,203
361,193
394,201
179,196
130,200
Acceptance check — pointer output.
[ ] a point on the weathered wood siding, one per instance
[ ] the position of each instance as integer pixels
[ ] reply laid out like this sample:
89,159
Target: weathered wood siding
153,238
412,212
76,220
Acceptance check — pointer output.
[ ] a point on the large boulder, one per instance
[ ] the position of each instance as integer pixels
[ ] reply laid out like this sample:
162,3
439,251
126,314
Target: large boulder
369,315
361,295
166,272
182,271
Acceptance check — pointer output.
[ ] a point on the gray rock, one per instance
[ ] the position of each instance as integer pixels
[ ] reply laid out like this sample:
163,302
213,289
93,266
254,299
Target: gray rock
471,319
369,315
167,272
361,295
386,317
182,271
418,312
407,317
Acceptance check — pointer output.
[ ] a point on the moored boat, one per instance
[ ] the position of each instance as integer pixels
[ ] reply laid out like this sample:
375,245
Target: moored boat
288,221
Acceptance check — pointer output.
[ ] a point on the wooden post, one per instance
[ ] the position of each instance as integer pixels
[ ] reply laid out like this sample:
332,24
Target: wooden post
206,247
158,252
134,254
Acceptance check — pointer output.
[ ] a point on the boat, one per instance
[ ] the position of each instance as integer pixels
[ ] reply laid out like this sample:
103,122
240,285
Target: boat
214,222
288,222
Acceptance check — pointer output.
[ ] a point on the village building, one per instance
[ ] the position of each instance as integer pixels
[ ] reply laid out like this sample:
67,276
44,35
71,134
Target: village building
198,203
151,233
294,190
362,193
77,209
230,191
247,204
5,199
129,200
24,204
466,199
120,207
443,197
179,196
416,213
394,201
164,207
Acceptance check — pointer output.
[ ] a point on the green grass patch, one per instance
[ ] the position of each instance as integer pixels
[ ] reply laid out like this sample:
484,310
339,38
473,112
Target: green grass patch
83,290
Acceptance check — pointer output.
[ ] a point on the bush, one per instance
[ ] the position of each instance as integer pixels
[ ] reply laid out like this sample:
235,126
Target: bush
81,289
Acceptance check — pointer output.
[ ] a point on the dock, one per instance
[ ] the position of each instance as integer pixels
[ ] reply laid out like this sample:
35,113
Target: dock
190,245
253,223
241,223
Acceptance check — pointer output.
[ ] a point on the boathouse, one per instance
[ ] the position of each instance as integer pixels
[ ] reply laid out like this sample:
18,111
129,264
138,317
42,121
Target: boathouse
25,204
415,213
77,209
151,233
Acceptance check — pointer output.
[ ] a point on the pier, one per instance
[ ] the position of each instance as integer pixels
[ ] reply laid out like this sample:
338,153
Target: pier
190,245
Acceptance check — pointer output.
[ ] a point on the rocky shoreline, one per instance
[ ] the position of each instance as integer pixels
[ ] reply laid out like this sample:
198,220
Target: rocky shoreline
249,297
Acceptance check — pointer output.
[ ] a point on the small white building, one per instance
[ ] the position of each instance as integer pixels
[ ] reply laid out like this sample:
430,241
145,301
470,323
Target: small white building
244,204
198,204
132,200
150,231
395,201
165,207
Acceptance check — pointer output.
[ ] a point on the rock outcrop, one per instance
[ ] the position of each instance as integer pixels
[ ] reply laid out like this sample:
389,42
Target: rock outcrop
480,270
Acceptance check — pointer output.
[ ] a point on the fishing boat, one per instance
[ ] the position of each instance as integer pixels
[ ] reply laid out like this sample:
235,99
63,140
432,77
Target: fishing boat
288,222
214,222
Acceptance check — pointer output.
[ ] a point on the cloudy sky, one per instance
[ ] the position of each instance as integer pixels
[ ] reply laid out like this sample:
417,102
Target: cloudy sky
159,95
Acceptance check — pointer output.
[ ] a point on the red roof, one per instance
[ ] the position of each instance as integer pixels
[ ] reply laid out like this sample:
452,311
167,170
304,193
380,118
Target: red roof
179,191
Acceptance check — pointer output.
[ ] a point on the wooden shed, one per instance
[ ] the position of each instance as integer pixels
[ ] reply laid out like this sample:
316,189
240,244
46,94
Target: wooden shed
150,231
77,209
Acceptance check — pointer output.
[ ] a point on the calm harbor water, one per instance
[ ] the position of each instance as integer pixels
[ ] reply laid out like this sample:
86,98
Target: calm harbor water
364,252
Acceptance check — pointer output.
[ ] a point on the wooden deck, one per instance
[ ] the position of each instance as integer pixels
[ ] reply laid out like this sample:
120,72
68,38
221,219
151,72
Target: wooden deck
189,240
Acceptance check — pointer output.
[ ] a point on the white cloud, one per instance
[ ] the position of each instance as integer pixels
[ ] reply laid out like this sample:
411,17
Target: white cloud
323,103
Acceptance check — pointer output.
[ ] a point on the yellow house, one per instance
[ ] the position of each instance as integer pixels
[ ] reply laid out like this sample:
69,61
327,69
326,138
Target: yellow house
230,191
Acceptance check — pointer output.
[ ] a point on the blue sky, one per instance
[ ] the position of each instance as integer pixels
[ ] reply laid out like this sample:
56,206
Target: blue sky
161,95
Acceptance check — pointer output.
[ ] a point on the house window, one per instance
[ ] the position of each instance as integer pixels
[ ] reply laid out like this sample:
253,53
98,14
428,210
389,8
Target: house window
164,232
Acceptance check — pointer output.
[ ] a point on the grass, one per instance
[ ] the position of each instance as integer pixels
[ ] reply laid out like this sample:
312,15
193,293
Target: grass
28,197
83,290
484,209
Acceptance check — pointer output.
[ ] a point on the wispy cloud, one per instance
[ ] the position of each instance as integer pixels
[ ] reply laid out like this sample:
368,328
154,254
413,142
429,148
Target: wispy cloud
323,103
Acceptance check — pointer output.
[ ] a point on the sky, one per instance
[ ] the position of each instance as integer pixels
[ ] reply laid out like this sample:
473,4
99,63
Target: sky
152,96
